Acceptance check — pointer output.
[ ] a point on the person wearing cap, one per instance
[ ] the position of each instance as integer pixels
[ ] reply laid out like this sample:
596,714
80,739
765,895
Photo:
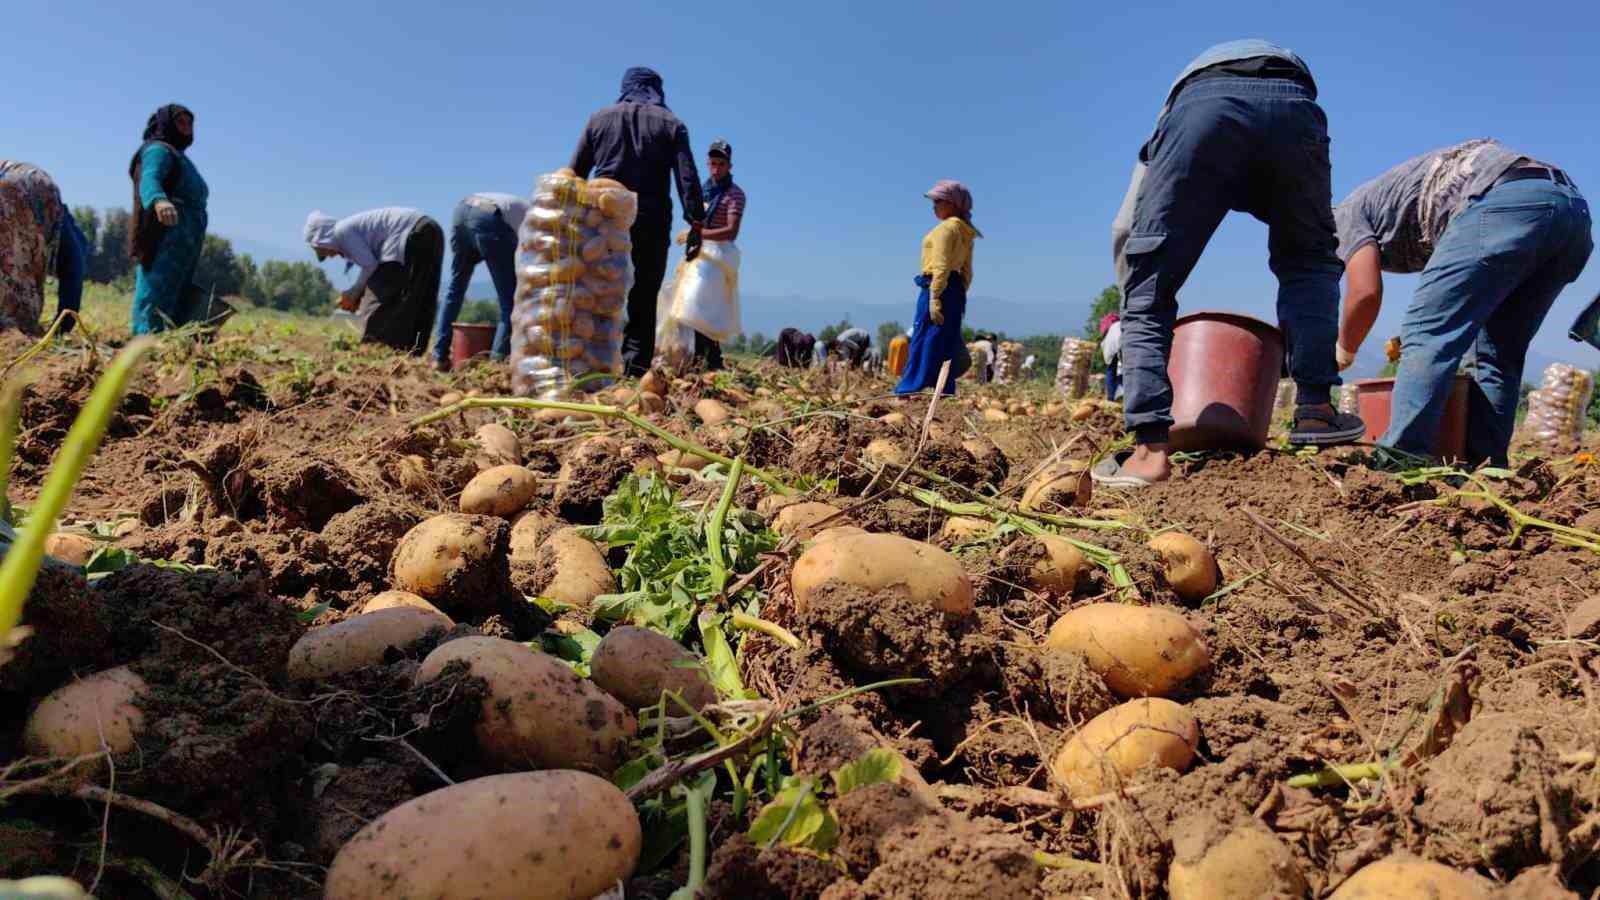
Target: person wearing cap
724,212
944,280
639,142
482,229
1111,352
400,252
1496,235
1240,130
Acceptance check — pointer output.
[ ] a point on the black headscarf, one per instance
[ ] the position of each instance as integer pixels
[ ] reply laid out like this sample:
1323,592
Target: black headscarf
144,232
642,85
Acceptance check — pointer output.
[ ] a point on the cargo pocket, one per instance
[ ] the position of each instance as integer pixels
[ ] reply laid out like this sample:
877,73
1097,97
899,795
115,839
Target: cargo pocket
1139,251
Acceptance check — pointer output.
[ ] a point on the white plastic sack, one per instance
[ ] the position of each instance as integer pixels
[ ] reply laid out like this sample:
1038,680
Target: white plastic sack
702,295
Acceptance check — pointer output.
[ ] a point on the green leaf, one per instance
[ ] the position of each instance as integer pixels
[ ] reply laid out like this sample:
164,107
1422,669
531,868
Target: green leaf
307,616
877,766
721,666
575,649
795,817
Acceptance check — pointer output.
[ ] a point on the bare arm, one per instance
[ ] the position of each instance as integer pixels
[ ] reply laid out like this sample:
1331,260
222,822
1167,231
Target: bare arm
1363,298
728,232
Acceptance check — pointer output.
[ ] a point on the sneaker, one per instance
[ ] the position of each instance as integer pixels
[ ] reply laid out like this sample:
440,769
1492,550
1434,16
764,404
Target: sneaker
1322,426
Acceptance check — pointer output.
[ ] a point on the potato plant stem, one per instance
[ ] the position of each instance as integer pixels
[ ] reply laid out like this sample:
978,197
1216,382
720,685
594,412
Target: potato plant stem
606,412
771,629
10,414
21,566
1334,776
697,842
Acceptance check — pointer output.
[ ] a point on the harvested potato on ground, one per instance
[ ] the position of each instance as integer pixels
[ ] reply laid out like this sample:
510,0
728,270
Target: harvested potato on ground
500,446
528,532
712,412
1061,485
1057,566
1141,651
772,504
399,600
557,416
801,520
455,562
72,719
450,398
649,403
1018,408
568,568
636,665
884,452
876,562
556,835
1190,569
43,887
654,382
996,415
412,474
1084,410
70,548
680,460
359,642
1244,861
837,531
501,491
538,713
894,419
964,528
1118,743
1402,876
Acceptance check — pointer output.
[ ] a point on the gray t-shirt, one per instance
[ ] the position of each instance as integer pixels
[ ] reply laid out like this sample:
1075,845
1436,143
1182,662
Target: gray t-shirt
1407,209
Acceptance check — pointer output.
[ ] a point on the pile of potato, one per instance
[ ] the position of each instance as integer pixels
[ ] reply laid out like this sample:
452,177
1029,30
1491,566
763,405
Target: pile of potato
574,270
1072,370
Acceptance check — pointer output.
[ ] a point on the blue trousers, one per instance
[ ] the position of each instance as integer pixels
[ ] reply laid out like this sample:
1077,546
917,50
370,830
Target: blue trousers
478,235
1491,280
932,344
1255,145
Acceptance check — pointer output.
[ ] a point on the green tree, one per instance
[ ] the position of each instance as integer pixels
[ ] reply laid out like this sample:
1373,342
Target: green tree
299,287
1109,301
758,343
218,271
480,312
887,332
829,332
89,223
736,344
110,261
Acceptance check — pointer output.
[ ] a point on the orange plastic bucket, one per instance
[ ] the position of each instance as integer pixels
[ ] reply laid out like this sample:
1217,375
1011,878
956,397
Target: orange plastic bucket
469,340
1224,369
1374,396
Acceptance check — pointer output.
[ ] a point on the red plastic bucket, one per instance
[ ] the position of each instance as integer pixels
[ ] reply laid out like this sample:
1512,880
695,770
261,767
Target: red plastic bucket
1224,369
1374,394
468,340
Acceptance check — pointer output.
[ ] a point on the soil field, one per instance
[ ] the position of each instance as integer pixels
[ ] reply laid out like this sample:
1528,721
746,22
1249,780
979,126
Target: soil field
252,491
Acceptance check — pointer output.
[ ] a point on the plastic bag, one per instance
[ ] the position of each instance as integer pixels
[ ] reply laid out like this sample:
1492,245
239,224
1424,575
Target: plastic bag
701,296
574,271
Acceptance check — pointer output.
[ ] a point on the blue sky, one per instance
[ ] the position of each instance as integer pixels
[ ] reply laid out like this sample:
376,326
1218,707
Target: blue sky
841,115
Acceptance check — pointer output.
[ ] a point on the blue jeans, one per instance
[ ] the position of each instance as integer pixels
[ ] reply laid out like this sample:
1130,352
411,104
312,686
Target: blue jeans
478,235
1113,377
1493,276
1255,145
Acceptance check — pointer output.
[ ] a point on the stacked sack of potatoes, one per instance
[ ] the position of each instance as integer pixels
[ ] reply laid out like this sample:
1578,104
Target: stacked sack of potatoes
574,270
1008,362
1072,371
1349,398
1557,409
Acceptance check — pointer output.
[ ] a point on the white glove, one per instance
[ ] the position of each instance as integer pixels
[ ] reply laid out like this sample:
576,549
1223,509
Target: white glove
1345,357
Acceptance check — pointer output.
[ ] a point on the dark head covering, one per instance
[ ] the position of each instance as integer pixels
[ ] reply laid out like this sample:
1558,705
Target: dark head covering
720,147
642,85
144,232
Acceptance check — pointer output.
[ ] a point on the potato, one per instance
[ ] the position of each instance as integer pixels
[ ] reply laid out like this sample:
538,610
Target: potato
884,452
1059,569
411,473
1401,876
1085,410
501,491
538,713
1018,408
653,382
1190,569
635,665
1140,651
678,459
500,446
528,532
579,567
1113,746
772,504
43,887
1245,862
802,521
399,600
877,562
72,719
649,403
895,419
1060,485
964,528
712,412
70,548
358,642
996,415
454,561
837,531
556,835
451,398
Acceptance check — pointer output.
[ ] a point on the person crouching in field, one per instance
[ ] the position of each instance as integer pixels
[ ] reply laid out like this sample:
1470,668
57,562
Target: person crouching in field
36,228
793,349
482,229
400,252
945,278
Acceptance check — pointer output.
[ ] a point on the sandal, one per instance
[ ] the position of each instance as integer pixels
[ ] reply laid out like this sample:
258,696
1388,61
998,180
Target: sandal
1108,473
1329,430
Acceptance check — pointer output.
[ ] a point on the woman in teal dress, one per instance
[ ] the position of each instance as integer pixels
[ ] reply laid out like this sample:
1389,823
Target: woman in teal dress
169,224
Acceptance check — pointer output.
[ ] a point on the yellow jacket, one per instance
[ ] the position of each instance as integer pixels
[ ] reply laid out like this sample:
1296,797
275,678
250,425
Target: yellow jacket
947,249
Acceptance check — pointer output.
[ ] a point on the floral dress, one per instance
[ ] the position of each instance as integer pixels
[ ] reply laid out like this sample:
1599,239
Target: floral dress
31,214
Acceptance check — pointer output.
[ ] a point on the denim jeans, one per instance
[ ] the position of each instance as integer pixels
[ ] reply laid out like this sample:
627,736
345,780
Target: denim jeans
478,235
1255,145
1493,276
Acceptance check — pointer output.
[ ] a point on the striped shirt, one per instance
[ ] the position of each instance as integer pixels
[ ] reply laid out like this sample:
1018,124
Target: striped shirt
731,205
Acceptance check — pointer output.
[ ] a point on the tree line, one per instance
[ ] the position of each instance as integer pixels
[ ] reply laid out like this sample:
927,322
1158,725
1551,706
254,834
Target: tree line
288,287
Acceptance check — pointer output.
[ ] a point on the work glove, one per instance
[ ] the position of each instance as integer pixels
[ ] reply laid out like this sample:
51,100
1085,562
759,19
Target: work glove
936,311
166,213
691,245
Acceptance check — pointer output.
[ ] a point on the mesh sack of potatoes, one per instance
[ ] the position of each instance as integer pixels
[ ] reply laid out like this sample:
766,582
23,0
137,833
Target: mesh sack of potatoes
1349,397
574,270
1072,370
1556,411
1008,362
